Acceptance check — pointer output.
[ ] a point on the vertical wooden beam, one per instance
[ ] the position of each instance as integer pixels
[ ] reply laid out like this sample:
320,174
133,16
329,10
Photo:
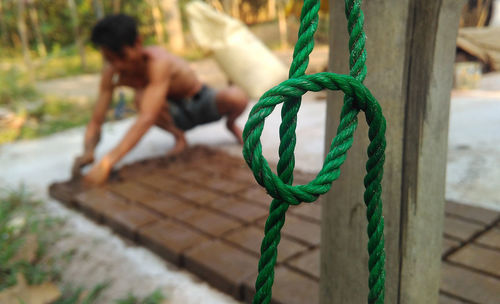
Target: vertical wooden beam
411,47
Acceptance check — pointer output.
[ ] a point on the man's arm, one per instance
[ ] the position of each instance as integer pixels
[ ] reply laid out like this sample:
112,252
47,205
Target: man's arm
93,131
152,101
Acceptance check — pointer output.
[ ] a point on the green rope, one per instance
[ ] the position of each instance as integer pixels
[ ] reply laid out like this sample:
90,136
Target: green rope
357,98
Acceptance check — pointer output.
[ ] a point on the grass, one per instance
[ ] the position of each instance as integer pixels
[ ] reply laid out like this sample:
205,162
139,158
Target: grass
15,86
21,218
47,116
156,297
34,115
69,64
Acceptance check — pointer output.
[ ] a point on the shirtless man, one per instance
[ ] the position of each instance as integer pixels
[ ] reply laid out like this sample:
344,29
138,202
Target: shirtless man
156,76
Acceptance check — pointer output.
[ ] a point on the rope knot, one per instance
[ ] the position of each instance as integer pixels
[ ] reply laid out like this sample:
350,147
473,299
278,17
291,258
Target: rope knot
288,91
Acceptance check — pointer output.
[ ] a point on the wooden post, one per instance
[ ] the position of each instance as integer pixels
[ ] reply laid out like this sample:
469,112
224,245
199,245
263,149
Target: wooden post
411,48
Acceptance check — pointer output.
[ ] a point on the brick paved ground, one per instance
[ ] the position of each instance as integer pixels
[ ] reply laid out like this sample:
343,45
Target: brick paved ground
204,211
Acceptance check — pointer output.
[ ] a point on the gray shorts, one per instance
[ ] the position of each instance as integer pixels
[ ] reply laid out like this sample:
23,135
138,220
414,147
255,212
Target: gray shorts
197,110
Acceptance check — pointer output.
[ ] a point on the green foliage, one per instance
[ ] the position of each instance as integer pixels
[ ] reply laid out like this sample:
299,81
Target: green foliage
21,215
55,114
15,85
79,295
42,115
65,63
18,218
155,297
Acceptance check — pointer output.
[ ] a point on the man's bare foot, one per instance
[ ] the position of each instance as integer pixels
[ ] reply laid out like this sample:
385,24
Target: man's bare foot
236,131
179,147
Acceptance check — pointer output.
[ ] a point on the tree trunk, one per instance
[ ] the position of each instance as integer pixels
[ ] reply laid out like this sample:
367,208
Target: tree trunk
217,5
76,32
226,4
158,26
173,23
235,8
21,27
3,26
271,9
42,50
99,11
116,6
282,25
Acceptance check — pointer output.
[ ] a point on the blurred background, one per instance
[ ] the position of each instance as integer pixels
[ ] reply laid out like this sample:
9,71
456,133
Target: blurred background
49,75
48,66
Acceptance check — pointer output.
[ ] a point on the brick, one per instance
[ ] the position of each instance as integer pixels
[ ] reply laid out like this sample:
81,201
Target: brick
256,194
477,214
311,211
134,191
250,238
241,174
194,176
168,205
138,170
208,221
225,185
242,211
302,178
491,238
469,285
460,229
228,159
290,287
237,172
65,192
484,259
164,183
198,195
301,230
98,203
449,244
224,266
444,299
308,263
169,239
128,222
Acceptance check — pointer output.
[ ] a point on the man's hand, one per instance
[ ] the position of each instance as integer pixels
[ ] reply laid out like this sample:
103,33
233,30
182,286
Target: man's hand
81,161
98,175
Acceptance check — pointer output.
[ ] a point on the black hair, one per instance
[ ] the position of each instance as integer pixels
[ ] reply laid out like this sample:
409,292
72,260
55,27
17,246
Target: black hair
114,32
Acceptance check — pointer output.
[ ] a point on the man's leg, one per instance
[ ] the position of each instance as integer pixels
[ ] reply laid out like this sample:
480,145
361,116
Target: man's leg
231,102
166,122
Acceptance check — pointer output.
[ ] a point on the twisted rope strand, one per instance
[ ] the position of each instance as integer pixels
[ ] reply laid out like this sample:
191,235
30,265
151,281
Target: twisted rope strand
357,98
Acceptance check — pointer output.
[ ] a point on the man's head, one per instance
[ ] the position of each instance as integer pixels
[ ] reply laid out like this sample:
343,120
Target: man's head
118,39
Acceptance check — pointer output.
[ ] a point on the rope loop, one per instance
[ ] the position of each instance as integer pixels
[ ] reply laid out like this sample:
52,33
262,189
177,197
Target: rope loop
289,90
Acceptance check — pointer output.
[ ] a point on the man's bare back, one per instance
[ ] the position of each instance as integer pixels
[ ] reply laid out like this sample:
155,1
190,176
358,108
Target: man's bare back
183,81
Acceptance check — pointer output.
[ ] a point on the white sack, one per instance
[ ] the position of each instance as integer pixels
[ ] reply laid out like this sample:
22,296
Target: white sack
245,60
